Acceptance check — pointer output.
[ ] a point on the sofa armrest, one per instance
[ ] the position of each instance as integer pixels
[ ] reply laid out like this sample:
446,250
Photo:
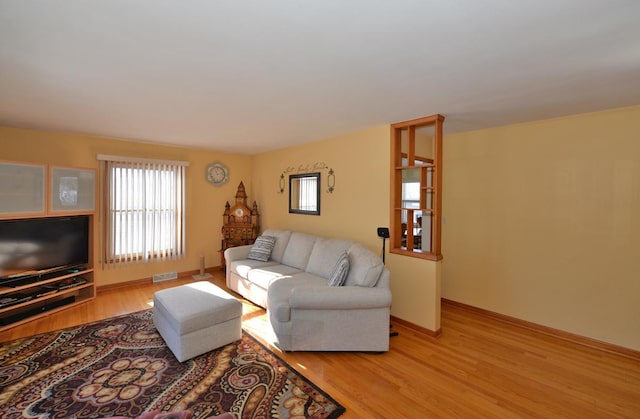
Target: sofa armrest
237,253
339,298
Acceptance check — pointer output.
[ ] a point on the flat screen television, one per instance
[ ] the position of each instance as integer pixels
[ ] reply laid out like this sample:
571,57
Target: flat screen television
30,248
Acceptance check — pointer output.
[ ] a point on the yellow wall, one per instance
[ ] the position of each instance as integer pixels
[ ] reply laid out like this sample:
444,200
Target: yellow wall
543,223
204,202
541,219
359,204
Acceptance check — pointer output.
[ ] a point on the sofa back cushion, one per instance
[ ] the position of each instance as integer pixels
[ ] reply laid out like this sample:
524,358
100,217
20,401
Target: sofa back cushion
365,267
282,239
298,250
325,254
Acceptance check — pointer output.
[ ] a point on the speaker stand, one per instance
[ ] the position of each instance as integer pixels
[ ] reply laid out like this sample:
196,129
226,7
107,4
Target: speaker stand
384,241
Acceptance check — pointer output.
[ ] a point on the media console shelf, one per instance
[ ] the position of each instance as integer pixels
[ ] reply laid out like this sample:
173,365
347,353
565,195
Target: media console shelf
22,303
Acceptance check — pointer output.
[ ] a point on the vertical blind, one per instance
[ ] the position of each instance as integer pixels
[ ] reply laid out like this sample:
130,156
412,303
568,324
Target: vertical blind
144,210
308,199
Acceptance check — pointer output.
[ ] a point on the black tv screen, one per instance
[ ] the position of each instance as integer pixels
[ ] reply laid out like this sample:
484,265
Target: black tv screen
30,246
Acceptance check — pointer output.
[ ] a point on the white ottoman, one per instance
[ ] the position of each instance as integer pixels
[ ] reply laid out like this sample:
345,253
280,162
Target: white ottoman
196,318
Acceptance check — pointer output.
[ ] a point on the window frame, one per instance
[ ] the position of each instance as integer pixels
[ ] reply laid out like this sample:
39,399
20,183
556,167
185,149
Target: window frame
163,207
302,188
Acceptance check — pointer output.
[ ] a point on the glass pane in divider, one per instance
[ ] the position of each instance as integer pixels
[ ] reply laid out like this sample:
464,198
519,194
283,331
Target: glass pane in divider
424,145
426,227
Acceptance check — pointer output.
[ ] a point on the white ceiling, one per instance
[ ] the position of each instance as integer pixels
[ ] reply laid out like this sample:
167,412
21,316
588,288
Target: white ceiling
256,75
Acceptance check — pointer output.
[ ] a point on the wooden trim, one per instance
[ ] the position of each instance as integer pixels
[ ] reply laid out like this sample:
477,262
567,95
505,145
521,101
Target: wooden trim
143,281
427,120
395,187
105,241
419,158
411,145
416,328
128,159
415,254
149,279
436,198
560,334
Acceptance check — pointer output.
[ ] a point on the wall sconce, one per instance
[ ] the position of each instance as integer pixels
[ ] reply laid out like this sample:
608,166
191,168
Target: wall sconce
282,182
331,181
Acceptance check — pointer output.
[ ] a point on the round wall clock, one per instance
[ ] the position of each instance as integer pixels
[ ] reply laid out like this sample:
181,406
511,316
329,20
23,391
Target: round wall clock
217,174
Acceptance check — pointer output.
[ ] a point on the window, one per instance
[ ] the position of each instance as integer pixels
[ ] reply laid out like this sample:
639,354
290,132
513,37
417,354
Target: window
144,211
416,187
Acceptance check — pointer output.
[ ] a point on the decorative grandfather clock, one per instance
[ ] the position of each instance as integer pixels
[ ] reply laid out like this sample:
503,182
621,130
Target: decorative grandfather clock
240,225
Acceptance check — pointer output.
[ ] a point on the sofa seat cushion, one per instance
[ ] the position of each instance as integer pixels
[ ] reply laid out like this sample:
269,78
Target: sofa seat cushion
325,255
242,267
264,276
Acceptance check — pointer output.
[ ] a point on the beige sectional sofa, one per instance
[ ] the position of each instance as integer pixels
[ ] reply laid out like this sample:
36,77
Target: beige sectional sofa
306,313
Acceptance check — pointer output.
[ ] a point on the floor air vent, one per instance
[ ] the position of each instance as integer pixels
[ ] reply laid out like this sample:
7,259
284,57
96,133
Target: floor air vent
165,276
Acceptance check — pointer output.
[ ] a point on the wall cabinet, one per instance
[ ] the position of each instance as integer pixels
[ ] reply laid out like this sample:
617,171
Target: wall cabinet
22,188
32,190
72,190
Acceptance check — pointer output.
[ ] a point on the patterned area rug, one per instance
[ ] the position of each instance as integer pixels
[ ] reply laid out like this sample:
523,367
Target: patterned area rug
121,366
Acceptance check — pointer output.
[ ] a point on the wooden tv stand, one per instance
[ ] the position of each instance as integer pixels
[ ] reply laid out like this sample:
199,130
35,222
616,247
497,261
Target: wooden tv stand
59,290
36,190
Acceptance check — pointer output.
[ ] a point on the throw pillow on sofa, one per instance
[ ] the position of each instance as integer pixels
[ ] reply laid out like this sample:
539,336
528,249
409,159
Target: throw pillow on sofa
340,271
262,248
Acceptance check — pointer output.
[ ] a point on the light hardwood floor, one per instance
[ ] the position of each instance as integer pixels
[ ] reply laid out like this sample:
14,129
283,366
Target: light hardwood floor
479,367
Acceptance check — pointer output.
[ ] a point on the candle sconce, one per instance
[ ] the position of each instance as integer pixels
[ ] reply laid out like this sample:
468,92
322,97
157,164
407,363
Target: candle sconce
309,168
331,181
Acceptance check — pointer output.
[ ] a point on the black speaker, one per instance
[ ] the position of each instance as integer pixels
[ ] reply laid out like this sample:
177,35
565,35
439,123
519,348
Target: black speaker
383,232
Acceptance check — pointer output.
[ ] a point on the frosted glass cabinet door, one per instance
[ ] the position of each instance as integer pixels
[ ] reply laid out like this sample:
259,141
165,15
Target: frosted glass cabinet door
22,189
72,190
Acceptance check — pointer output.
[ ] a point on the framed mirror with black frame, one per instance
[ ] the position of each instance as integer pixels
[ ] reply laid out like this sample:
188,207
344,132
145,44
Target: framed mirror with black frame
304,193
